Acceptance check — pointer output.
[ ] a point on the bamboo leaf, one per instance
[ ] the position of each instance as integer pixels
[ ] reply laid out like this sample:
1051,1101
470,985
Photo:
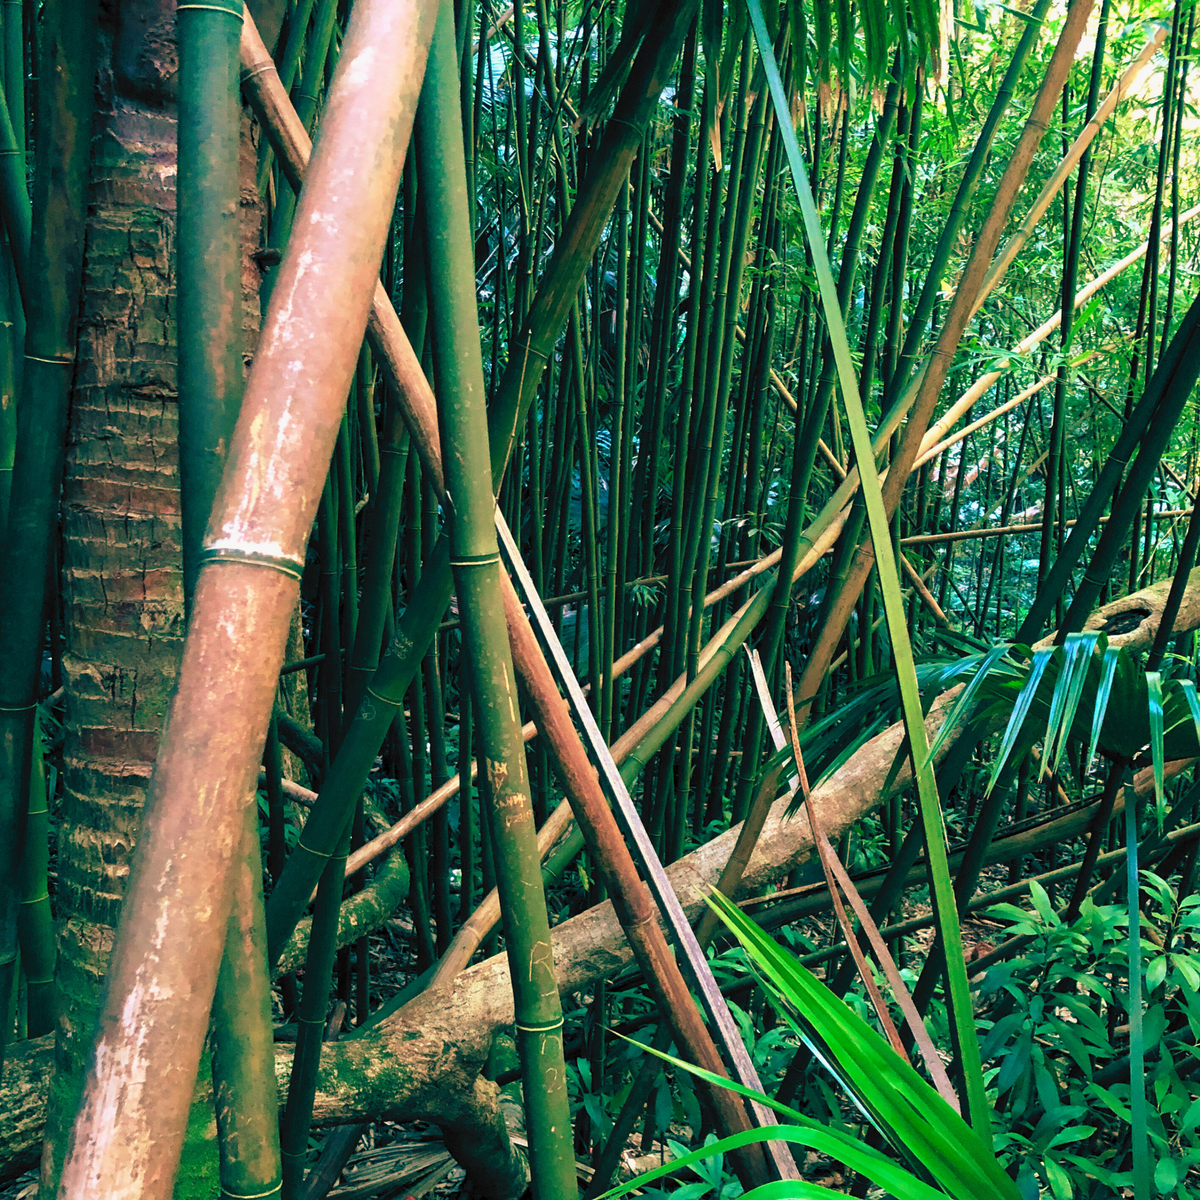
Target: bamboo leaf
1024,701
1108,669
1154,698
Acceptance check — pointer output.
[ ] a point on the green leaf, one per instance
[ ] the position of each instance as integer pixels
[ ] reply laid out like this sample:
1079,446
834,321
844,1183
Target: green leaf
967,698
889,582
1024,701
1078,648
913,1116
1103,692
1155,698
805,1132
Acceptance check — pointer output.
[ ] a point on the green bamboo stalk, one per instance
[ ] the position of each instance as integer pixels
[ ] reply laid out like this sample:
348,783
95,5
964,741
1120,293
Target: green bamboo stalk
477,579
958,209
209,261
244,1087
310,1019
15,211
210,393
35,921
1167,392
616,454
67,69
289,64
383,519
12,318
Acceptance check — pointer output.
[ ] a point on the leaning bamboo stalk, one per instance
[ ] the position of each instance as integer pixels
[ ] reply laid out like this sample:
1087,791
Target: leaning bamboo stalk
941,357
1131,79
966,431
965,535
364,734
128,1131
1032,340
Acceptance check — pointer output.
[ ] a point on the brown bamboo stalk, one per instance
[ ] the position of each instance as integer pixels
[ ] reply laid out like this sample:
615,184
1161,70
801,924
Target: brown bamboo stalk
962,535
128,1132
926,595
942,356
1131,80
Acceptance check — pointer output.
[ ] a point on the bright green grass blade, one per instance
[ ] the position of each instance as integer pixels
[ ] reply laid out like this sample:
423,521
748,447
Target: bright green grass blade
959,988
881,1171
1079,648
965,703
1024,701
947,1168
1154,697
918,1120
1188,688
1108,669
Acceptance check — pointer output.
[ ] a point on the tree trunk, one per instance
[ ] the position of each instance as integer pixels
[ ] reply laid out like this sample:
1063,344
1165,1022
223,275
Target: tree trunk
121,567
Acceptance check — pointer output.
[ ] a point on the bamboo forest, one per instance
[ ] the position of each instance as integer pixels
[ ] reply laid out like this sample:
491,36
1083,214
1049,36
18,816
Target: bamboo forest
599,599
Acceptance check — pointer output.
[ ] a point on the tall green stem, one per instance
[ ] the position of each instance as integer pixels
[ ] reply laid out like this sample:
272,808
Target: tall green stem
476,563
67,70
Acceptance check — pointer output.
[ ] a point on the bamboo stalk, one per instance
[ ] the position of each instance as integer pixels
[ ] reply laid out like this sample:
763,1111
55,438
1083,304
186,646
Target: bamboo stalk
476,564
942,355
1130,81
55,254
962,535
416,629
244,1088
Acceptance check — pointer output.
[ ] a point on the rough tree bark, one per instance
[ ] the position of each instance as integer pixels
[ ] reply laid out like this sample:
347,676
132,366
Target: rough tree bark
122,591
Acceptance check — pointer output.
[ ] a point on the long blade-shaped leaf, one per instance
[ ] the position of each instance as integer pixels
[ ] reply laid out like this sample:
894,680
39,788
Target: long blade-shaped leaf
885,561
1154,696
965,703
806,1132
1024,701
1188,688
1078,650
916,1119
1108,669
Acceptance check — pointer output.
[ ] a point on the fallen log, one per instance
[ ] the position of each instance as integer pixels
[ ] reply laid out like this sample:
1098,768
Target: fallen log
1132,621
424,1062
